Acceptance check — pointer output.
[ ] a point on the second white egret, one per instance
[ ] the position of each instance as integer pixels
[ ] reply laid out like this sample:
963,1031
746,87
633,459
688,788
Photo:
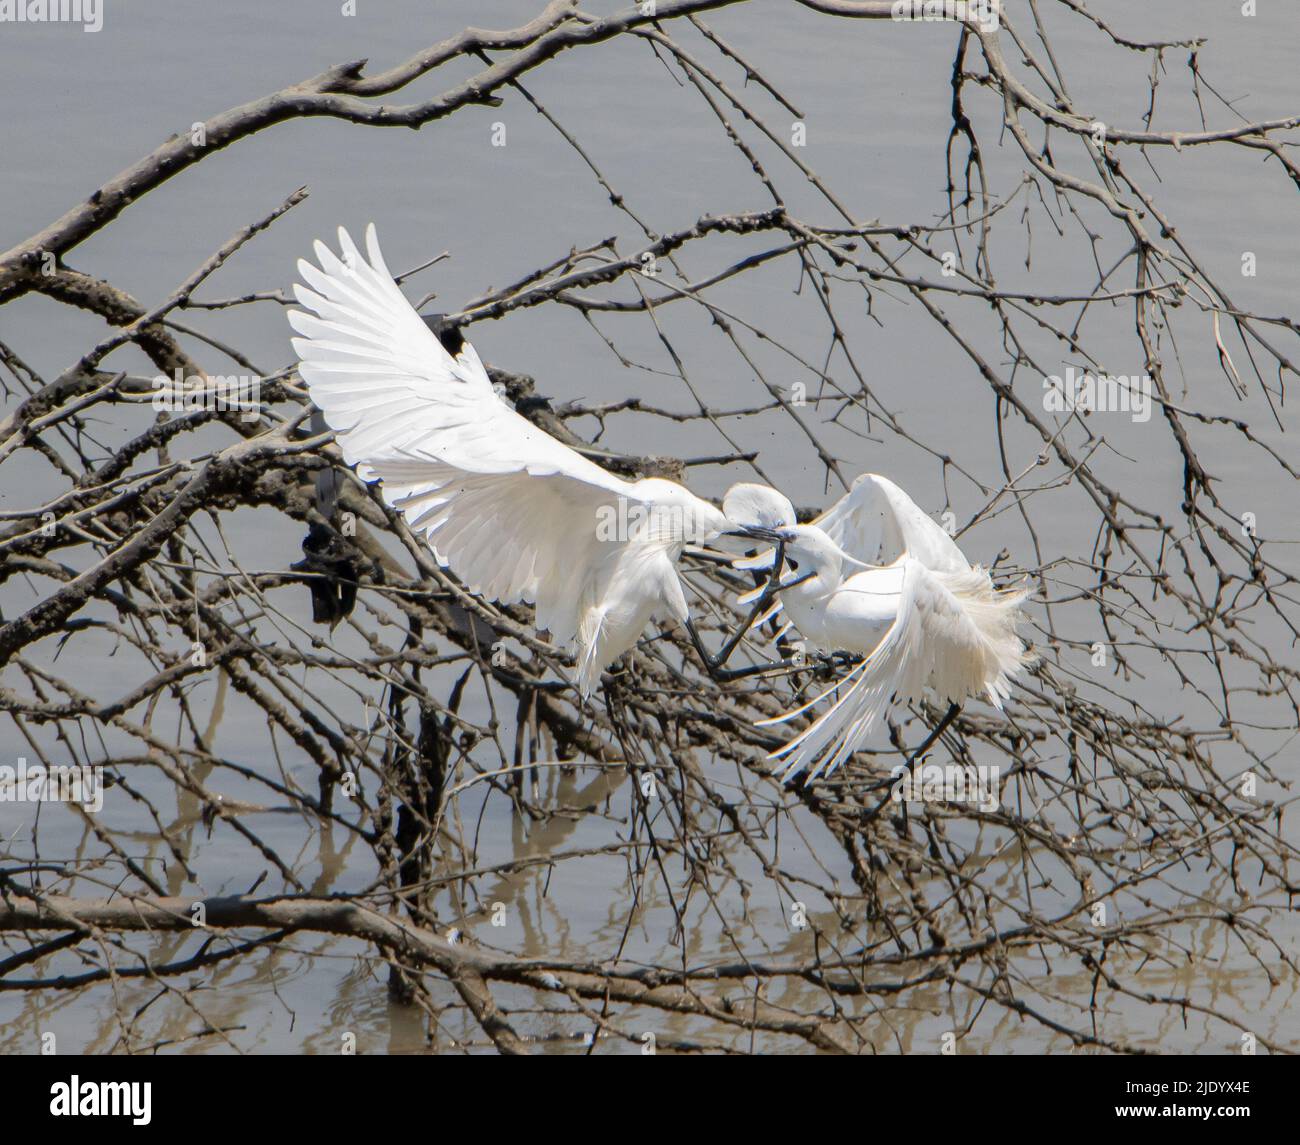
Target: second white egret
906,600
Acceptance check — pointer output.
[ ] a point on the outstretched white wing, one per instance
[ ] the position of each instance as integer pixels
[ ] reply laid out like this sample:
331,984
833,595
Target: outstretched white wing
875,522
511,510
952,631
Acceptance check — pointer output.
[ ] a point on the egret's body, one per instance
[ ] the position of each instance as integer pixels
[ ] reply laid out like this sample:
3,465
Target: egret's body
852,615
516,514
923,617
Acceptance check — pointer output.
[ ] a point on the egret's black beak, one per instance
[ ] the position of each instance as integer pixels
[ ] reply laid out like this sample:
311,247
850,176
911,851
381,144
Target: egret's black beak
754,532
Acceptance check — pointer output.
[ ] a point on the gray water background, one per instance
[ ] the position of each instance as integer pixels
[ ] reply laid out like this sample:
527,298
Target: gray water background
80,107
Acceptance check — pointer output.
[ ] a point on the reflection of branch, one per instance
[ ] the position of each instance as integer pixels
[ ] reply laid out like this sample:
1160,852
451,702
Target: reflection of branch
467,967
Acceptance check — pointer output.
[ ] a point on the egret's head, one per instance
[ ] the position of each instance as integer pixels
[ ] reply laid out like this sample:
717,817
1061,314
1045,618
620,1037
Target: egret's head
809,553
750,506
754,512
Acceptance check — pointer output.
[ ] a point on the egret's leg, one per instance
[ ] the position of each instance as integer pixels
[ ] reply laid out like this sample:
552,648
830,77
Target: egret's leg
828,661
714,664
932,738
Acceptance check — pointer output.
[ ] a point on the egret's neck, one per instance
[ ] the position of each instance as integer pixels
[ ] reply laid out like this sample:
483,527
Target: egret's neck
830,571
814,588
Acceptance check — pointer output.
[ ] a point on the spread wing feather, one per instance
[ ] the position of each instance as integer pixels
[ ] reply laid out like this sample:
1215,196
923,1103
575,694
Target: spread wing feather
452,455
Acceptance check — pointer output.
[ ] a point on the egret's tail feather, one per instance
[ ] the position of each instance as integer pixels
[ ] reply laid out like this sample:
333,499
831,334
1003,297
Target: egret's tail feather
591,662
839,731
785,717
954,633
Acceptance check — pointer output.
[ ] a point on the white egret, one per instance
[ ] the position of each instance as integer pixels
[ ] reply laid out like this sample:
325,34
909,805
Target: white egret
516,514
903,596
